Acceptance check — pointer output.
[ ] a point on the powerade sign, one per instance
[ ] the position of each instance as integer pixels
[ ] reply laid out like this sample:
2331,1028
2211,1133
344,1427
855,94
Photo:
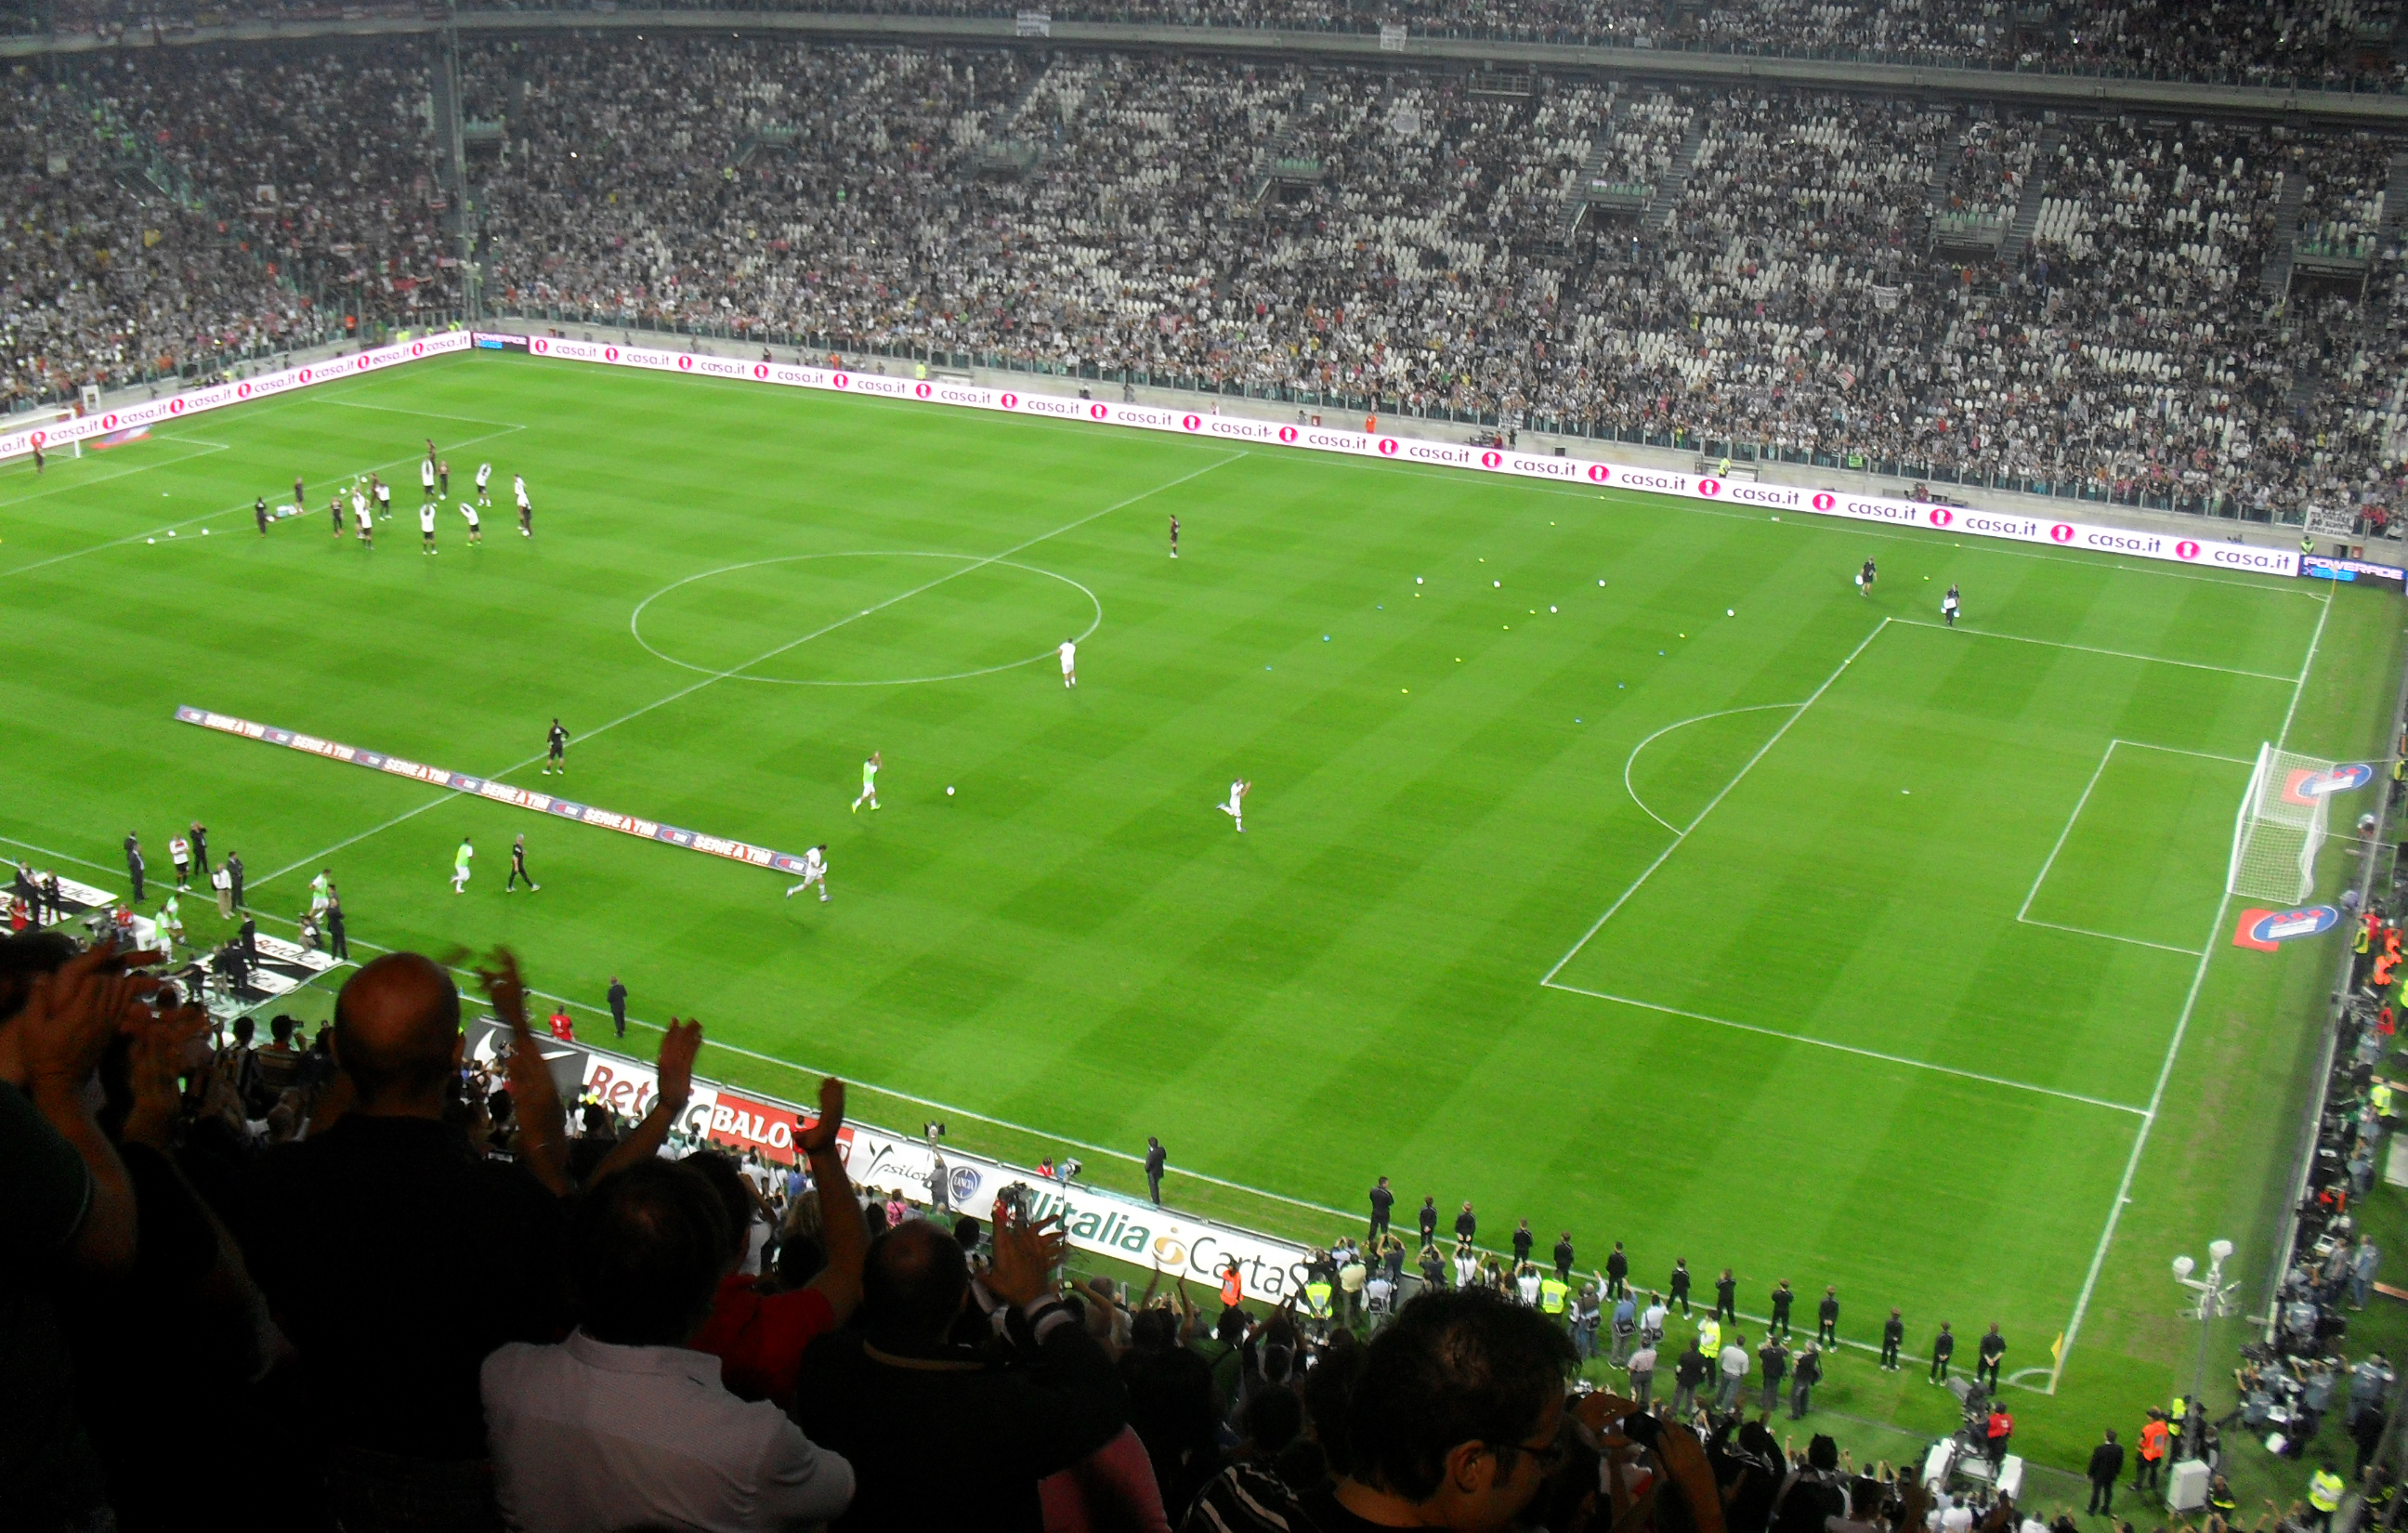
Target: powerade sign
1774,498
2265,930
2354,570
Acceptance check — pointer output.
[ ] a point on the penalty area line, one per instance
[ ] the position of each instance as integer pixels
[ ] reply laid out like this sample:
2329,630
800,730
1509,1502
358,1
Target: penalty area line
1852,1049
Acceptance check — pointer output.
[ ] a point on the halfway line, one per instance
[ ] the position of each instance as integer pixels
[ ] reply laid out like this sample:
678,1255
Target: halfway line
767,655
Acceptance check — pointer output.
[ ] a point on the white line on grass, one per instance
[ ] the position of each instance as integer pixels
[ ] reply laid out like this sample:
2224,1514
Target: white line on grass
62,486
976,563
2107,937
2024,913
1633,759
2301,686
1851,1049
2087,648
2139,1143
62,857
1682,835
223,510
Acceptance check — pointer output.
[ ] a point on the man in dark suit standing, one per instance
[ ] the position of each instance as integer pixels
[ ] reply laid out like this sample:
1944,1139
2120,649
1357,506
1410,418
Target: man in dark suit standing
1617,1272
1155,1159
336,946
133,864
1727,1298
1827,1318
1429,1220
1893,1338
200,834
2106,1463
617,996
234,870
1381,1201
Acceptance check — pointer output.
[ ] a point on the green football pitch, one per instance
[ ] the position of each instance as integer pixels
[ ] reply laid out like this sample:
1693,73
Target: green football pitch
1610,860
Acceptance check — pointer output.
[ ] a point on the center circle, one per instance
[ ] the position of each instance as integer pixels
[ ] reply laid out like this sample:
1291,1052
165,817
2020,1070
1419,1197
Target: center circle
877,618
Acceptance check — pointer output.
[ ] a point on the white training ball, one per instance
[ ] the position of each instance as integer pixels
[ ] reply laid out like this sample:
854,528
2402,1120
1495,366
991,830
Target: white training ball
171,531
204,532
948,789
1499,584
1601,582
1730,611
1551,608
149,539
1417,580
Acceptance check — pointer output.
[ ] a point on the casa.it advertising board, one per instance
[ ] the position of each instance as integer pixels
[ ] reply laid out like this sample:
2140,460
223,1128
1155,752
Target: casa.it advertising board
57,433
1771,498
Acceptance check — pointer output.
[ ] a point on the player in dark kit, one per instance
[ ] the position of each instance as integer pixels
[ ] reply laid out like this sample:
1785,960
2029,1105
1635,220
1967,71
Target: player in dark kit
334,509
518,867
259,514
1174,537
556,751
1865,579
300,501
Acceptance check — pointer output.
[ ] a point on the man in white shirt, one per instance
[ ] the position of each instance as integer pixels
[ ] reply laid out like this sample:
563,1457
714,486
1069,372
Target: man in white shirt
623,1425
526,510
1235,808
476,528
361,514
426,476
814,871
485,479
1069,652
383,498
427,526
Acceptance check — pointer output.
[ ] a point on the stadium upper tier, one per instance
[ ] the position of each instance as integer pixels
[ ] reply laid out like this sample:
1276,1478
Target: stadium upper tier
2315,42
2172,308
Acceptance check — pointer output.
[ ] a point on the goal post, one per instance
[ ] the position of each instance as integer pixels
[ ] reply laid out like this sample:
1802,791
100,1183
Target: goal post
2280,828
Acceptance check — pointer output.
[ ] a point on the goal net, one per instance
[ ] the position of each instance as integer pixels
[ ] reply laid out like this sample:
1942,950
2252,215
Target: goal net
2281,828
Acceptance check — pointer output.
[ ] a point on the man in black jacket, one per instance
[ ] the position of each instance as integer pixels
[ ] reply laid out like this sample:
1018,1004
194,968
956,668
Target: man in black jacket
1827,1318
1802,1380
1429,1220
2106,1463
1687,1374
1158,1160
133,864
1381,1201
1617,1272
882,1392
1893,1338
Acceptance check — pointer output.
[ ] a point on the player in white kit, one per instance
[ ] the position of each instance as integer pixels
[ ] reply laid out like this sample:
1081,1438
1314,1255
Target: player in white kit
1235,808
361,514
526,510
1069,652
484,479
476,528
427,526
383,498
814,871
426,476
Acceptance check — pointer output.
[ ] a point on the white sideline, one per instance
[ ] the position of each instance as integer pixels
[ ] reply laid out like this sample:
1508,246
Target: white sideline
712,679
1682,835
1852,1049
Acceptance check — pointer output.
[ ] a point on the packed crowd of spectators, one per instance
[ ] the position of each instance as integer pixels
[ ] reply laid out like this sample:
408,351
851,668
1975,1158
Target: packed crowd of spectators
2310,41
447,1311
2196,313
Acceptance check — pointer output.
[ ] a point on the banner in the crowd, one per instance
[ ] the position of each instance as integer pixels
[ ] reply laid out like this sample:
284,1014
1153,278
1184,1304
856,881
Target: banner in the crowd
1106,1224
499,793
1957,520
104,423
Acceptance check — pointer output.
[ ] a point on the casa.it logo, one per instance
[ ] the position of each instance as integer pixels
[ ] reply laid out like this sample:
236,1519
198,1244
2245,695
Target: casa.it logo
1387,447
838,380
2186,550
1100,412
1940,516
1491,460
242,391
924,392
609,353
685,365
1186,422
2265,930
1010,401
1287,436
1825,502
1600,473
539,345
304,376
108,423
761,370
2061,533
38,438
418,348
1710,488
361,364
175,407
